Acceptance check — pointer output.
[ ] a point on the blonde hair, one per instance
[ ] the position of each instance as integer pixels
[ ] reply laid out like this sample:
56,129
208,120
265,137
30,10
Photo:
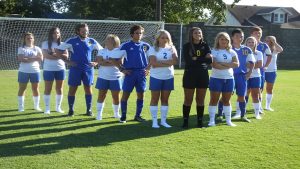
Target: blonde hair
271,43
255,43
24,37
158,35
115,39
226,36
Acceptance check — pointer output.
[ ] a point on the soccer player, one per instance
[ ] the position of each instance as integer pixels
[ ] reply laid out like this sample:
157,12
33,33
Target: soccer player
162,56
254,83
54,69
270,72
221,79
109,78
29,57
82,67
267,56
135,68
241,73
197,57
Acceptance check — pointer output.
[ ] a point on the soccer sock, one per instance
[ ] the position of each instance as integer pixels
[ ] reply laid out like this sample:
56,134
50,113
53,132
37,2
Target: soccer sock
21,100
200,112
88,102
139,107
100,107
238,110
246,98
212,113
58,101
36,101
260,104
185,113
227,111
268,100
256,108
47,102
164,113
116,108
124,108
242,106
154,110
71,100
220,108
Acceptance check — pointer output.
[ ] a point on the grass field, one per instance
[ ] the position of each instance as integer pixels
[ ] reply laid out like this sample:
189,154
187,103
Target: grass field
34,140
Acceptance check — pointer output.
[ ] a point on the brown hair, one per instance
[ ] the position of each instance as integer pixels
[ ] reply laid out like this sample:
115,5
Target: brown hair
24,37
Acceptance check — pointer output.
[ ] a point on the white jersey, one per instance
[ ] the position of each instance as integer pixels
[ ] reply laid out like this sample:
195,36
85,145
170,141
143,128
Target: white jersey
163,54
223,56
30,67
110,72
50,64
273,65
258,57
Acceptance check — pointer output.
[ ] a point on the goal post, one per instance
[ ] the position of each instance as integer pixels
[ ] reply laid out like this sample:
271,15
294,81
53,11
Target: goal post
12,30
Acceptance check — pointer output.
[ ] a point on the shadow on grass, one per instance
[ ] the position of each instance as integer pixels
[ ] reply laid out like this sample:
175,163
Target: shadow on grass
45,143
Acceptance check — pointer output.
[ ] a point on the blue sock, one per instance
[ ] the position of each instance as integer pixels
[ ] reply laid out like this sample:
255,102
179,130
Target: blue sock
139,107
247,98
71,100
88,102
124,108
220,109
242,108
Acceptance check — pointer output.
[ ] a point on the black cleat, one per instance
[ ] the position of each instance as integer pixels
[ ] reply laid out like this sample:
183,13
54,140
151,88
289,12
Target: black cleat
200,123
139,119
89,113
185,124
71,113
123,119
245,119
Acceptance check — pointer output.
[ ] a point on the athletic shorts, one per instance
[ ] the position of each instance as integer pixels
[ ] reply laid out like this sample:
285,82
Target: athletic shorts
240,84
103,84
158,84
254,82
51,75
221,85
270,77
137,79
192,80
77,75
25,77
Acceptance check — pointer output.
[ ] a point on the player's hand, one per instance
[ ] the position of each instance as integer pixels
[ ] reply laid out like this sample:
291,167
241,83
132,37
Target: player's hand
147,71
248,75
71,63
93,64
126,72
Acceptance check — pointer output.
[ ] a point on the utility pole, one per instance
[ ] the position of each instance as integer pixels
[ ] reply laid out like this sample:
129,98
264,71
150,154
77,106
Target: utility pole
158,10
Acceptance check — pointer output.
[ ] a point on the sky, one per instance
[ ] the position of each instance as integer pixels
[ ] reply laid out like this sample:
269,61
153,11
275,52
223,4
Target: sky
280,3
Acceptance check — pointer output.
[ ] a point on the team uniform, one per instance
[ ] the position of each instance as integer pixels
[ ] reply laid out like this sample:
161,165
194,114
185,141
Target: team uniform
270,77
196,67
53,70
29,72
264,48
109,77
136,61
245,55
81,56
221,81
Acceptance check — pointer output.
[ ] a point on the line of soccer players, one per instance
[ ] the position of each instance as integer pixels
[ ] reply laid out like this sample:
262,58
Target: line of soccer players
234,66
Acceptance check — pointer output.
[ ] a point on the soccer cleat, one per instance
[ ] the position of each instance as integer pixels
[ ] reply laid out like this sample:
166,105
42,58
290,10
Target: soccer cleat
231,124
269,109
200,124
59,110
37,109
166,125
155,125
245,119
99,118
89,113
117,116
211,124
123,120
21,109
71,113
139,119
236,116
258,117
47,112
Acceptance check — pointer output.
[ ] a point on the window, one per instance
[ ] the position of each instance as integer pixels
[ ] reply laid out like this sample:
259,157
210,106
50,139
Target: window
281,18
278,18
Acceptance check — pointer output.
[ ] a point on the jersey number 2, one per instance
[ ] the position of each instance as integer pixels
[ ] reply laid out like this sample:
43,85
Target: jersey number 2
165,55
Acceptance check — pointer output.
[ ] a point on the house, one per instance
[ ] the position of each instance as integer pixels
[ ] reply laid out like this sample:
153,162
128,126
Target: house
243,15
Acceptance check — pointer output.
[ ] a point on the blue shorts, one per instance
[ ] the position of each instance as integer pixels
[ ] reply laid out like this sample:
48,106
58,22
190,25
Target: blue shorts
103,84
51,75
221,85
137,79
254,82
158,85
25,77
270,77
240,84
77,75
262,81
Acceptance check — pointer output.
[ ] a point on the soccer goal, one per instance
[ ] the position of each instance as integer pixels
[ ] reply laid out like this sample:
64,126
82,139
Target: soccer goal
12,30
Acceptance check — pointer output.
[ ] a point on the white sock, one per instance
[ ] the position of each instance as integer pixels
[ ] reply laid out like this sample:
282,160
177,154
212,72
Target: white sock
154,110
21,100
268,100
59,99
47,102
164,113
238,110
212,115
260,106
227,111
100,107
116,109
36,102
256,109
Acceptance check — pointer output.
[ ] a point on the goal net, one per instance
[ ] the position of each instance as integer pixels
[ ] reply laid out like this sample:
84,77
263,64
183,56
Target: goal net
12,30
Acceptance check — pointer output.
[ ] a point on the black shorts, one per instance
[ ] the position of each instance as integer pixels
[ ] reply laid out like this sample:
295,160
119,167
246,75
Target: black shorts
195,79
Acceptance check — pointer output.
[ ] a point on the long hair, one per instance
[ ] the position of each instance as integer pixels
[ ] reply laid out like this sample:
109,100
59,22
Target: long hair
226,36
24,37
254,50
271,44
115,39
50,37
192,48
158,35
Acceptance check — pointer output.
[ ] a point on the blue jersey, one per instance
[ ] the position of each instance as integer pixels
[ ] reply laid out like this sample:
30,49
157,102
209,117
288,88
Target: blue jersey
265,50
245,55
136,55
81,51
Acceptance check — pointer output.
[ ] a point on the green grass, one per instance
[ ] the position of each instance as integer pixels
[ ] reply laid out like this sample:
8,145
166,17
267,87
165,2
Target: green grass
34,140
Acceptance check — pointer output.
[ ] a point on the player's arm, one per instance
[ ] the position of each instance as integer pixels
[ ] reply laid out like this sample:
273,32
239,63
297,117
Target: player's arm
174,59
269,58
278,48
103,62
48,55
258,64
155,63
217,65
250,64
233,64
